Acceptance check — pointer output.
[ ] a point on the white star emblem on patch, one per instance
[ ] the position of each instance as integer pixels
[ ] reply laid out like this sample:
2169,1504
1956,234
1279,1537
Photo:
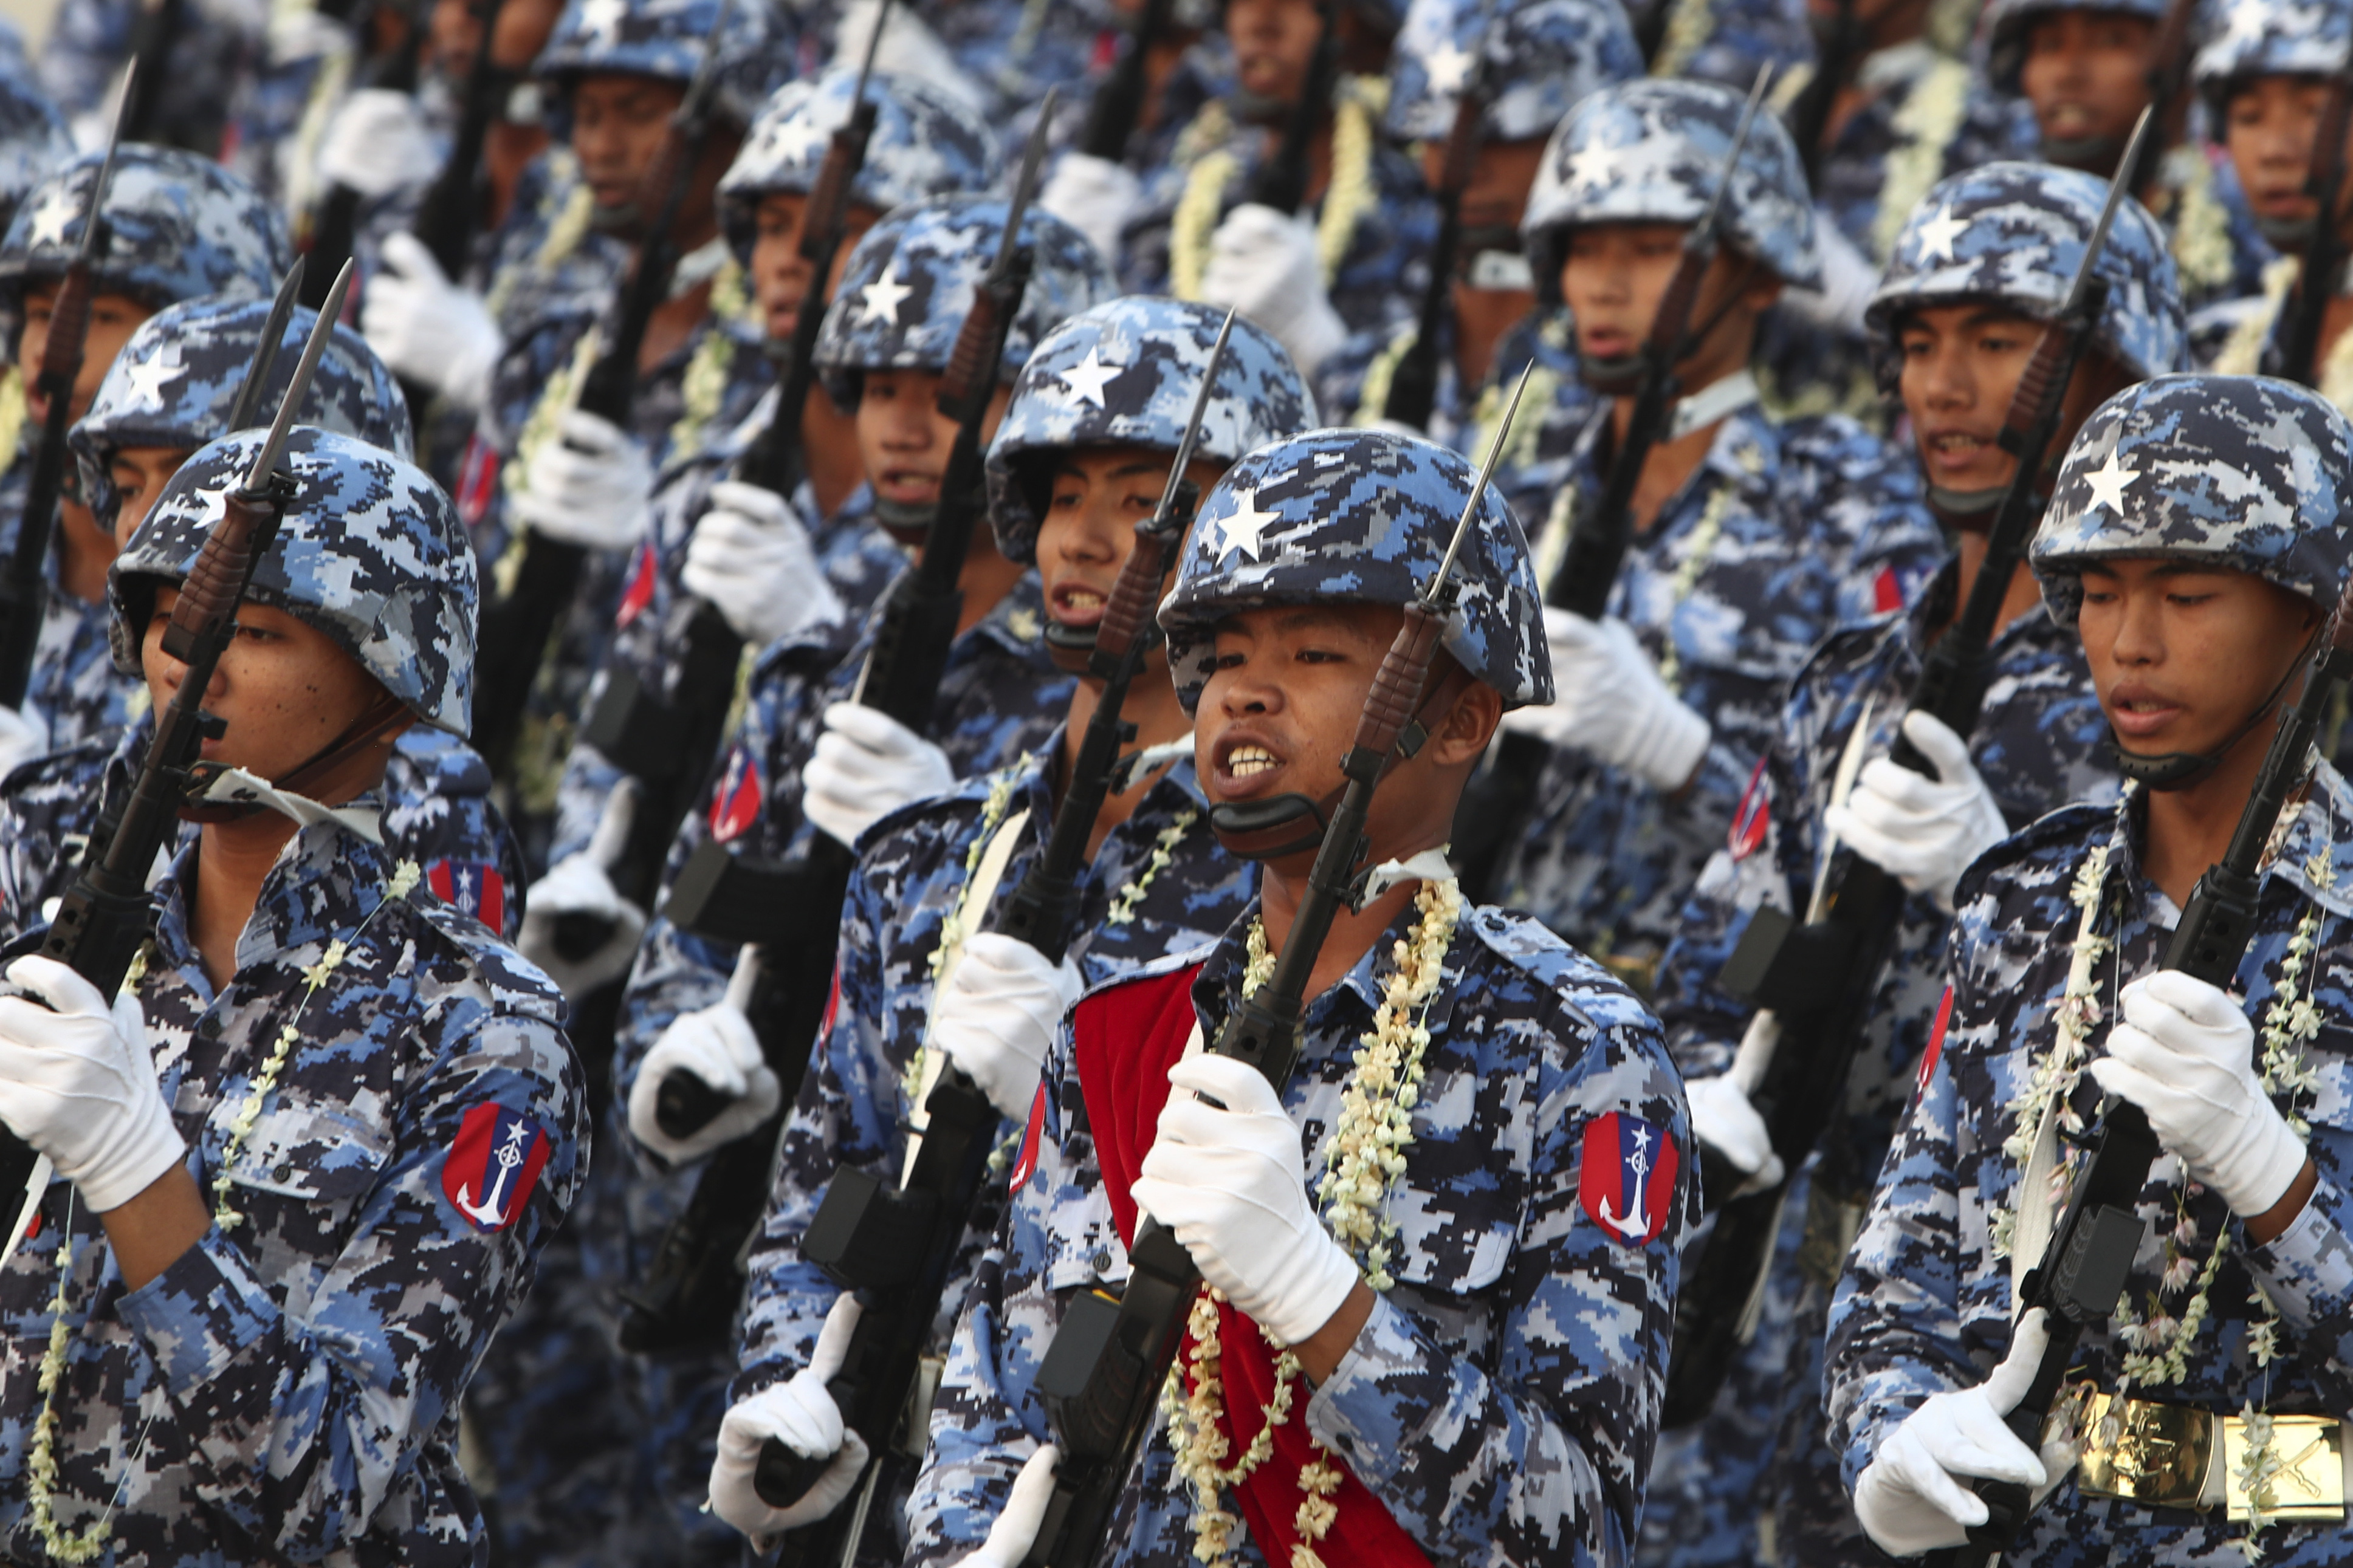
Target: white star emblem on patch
148,381
1246,530
1087,378
2108,481
49,219
603,18
1937,236
880,300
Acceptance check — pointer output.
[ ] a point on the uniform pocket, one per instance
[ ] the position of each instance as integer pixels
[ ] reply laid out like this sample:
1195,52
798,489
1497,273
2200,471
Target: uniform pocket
311,1153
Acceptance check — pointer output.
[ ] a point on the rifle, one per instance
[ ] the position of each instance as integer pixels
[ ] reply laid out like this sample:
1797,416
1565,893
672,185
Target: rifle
107,911
1118,102
445,216
24,594
153,31
793,910
517,625
2082,1272
1281,181
1413,382
1819,980
2169,72
668,744
1102,1372
1809,116
335,230
1497,799
2324,252
898,1244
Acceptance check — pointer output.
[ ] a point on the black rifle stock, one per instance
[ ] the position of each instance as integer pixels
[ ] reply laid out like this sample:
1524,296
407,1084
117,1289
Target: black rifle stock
1809,115
451,206
153,31
689,1293
24,592
2084,1268
1820,977
1281,181
335,226
1413,382
2324,252
865,1233
517,627
2168,73
1118,101
1102,1371
107,911
1496,802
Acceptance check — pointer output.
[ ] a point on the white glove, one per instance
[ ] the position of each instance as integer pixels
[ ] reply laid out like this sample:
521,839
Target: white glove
78,1084
1724,1119
1232,1185
865,766
1016,1530
997,1014
1907,1497
1265,265
21,739
1609,703
296,33
717,1045
2185,1053
378,143
427,328
802,1416
750,556
1925,831
1849,281
909,47
589,485
1094,195
578,885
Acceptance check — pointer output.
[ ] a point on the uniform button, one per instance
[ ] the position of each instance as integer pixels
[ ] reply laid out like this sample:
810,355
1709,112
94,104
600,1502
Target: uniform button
281,1172
1102,1261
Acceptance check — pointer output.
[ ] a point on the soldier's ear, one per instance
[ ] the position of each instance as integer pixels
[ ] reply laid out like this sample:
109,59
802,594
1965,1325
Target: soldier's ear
1461,736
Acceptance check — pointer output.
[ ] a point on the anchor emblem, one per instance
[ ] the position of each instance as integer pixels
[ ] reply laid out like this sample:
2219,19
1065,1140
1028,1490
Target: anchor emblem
488,1214
494,1164
1636,1225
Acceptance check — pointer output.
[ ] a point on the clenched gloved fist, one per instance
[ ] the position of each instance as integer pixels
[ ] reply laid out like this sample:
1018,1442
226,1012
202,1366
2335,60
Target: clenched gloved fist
1229,1179
801,1415
2185,1054
1724,1119
1913,1496
77,1083
717,1045
577,896
1094,195
1610,703
428,329
378,144
1263,263
750,556
997,1014
864,767
590,486
1923,831
1016,1530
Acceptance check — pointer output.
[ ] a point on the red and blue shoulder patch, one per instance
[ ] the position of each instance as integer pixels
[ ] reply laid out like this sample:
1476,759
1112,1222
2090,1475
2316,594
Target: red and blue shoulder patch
1753,818
473,886
735,804
1025,1164
494,1164
1627,1176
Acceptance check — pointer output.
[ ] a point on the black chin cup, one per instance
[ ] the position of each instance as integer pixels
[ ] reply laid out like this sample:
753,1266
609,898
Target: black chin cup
1618,378
1258,107
1071,649
1969,511
1492,236
906,523
2166,771
2286,234
2091,154
1263,830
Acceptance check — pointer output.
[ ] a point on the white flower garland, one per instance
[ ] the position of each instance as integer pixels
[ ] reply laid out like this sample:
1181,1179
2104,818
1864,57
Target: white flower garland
956,925
1163,851
1703,539
1924,127
1367,1153
41,1463
1347,197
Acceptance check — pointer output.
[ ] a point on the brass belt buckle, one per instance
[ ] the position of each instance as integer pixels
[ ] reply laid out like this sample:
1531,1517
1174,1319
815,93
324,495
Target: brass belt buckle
2145,1452
2307,1472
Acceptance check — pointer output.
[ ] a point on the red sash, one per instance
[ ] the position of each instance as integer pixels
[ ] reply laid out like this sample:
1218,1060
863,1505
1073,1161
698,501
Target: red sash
1127,1037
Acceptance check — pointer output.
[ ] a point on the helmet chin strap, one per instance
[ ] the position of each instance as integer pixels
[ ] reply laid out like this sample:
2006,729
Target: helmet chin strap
1289,824
1621,376
2168,771
2089,153
383,710
904,517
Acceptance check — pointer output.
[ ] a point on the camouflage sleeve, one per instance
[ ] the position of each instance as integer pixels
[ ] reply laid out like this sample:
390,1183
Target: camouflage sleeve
298,1419
848,1115
1704,1025
1898,1329
87,45
1883,544
2308,1270
1543,1460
